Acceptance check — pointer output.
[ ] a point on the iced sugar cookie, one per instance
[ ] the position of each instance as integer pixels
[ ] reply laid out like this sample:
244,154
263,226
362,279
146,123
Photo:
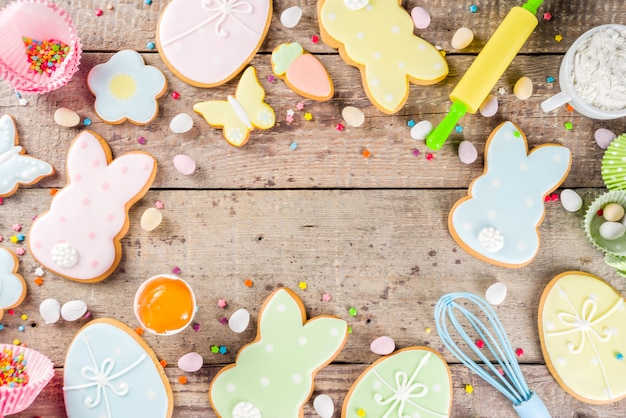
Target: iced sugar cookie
582,327
413,382
111,372
498,220
15,167
126,88
241,113
377,37
302,72
273,375
208,42
12,285
79,237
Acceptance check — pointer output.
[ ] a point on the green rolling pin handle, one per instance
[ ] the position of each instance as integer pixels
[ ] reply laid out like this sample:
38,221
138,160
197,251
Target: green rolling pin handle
437,138
532,5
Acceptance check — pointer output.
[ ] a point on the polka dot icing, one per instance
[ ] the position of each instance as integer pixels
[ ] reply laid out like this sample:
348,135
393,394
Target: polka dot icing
507,196
90,221
277,382
126,88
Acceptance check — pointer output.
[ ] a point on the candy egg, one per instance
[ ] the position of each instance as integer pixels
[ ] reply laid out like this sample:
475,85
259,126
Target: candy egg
181,123
164,305
324,406
50,310
239,321
613,212
291,17
462,38
523,88
612,230
571,201
73,310
151,219
190,362
421,18
421,130
66,117
604,137
353,116
489,106
184,164
496,293
383,345
467,152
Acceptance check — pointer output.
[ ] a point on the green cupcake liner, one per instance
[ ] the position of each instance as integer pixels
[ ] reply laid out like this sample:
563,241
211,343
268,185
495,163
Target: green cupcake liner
614,164
592,224
615,261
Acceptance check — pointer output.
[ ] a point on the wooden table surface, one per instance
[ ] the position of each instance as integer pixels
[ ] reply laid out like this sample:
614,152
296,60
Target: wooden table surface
371,232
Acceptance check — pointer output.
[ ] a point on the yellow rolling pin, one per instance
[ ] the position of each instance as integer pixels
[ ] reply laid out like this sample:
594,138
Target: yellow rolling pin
487,68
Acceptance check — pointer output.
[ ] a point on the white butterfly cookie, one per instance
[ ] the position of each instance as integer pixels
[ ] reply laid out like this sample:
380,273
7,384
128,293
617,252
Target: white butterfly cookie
239,114
273,375
498,220
15,166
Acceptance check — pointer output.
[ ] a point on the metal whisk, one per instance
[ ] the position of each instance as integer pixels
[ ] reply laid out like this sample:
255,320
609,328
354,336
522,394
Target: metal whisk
508,378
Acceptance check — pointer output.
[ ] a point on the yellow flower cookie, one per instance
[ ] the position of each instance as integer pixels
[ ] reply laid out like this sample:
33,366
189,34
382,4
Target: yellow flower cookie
377,37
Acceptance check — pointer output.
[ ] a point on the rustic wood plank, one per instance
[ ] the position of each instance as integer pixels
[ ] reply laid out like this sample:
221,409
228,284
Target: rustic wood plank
325,157
191,400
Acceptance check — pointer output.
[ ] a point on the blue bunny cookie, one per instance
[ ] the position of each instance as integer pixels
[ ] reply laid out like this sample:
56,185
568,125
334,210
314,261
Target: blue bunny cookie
498,220
111,372
273,375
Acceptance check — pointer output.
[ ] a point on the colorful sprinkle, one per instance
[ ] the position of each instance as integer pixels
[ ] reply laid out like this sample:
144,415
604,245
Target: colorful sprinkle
150,45
24,317
458,129
326,297
519,352
549,79
139,331
223,320
366,153
302,285
215,349
87,122
619,356
547,16
415,152
148,2
349,329
109,6
20,328
176,270
271,78
569,107
558,37
430,156
222,303
20,251
13,239
293,146
181,379
480,343
290,112
159,205
17,342
99,12
568,125
428,330
469,388
300,105
17,227
13,368
223,349
195,326
38,281
473,8
39,272
308,116
163,363
600,212
141,140
340,127
352,311
315,39
175,95
248,283
20,237
410,123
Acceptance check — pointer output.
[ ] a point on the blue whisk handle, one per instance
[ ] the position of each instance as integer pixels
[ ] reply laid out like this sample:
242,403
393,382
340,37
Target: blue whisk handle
532,408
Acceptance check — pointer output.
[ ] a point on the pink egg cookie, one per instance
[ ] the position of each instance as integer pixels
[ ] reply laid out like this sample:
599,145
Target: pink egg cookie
79,237
208,42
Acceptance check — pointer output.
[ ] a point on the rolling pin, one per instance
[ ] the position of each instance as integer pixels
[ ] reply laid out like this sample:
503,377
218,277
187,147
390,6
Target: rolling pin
487,68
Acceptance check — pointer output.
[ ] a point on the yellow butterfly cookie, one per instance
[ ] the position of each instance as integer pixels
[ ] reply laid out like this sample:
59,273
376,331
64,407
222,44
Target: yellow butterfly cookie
239,115
377,37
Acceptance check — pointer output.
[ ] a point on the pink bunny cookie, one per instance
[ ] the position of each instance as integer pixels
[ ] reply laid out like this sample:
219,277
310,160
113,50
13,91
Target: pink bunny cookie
79,237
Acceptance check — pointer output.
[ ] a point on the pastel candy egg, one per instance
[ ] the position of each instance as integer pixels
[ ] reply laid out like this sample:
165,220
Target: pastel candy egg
582,328
421,130
523,88
613,212
612,230
604,137
291,17
571,201
383,345
151,219
496,293
353,116
181,123
190,362
239,321
421,18
489,106
73,310
66,117
462,38
467,152
324,406
50,310
184,164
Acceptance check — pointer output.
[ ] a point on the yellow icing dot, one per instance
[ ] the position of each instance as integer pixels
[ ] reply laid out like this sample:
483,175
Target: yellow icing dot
122,86
360,412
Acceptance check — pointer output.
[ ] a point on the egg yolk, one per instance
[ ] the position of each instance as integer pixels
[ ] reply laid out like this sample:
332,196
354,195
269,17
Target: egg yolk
165,304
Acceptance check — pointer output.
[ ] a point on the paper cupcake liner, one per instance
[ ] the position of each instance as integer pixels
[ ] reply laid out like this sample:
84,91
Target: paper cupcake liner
592,223
615,261
40,371
40,20
614,164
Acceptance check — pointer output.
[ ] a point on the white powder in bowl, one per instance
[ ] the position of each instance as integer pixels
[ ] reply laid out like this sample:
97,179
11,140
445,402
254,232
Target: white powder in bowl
599,71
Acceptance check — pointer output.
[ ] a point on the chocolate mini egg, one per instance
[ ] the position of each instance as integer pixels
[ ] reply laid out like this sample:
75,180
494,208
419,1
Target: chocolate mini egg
523,88
613,212
612,230
165,304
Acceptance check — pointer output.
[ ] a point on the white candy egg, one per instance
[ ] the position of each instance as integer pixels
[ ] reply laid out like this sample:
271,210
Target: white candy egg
571,201
421,130
151,219
462,38
612,230
239,321
489,106
604,137
523,88
73,310
66,117
496,293
190,362
324,406
467,152
50,310
184,164
181,123
353,116
383,345
421,18
291,17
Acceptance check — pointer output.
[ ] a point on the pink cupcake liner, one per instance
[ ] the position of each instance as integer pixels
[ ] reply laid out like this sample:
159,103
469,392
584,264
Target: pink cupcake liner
40,20
40,371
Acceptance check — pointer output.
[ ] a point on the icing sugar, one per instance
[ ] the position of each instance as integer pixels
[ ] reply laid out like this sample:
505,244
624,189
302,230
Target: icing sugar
599,69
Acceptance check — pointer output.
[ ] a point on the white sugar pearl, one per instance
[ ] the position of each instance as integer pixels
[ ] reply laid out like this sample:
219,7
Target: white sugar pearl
64,255
50,310
239,321
421,130
73,310
324,406
496,293
291,17
571,201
